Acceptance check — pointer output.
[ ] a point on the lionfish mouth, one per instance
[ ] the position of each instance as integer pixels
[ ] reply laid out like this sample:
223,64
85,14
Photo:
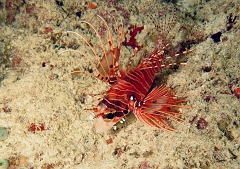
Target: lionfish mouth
102,126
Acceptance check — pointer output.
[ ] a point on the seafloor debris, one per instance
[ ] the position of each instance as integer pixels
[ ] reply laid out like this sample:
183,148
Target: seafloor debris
18,62
216,37
231,22
207,69
134,30
237,92
202,124
18,162
4,164
33,127
12,7
3,133
223,126
109,141
6,109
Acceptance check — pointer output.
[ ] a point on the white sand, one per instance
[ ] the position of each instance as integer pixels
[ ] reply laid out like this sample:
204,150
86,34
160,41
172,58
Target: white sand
34,94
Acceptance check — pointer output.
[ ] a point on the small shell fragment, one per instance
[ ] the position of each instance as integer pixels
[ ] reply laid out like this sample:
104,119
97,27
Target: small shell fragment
4,164
3,133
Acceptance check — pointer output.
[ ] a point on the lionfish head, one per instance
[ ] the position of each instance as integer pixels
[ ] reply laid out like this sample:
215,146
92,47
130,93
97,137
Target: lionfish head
105,118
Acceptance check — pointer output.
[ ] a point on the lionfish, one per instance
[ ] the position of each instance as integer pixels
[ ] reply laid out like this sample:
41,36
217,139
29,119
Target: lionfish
131,90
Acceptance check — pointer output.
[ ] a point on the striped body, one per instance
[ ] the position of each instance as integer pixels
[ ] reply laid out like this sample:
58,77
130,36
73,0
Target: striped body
128,93
135,84
130,90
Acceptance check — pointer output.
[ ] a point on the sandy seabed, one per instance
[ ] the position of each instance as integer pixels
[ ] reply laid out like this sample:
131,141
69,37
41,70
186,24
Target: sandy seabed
44,109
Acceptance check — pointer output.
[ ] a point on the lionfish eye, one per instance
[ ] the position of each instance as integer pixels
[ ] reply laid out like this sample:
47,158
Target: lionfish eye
125,112
109,116
132,98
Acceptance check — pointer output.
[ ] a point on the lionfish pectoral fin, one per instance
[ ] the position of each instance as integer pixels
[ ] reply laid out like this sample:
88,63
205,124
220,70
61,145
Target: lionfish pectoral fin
152,120
155,109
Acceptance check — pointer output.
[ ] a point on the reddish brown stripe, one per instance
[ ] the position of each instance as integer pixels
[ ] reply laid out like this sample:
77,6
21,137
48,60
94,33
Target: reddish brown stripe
149,75
139,77
126,87
117,105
